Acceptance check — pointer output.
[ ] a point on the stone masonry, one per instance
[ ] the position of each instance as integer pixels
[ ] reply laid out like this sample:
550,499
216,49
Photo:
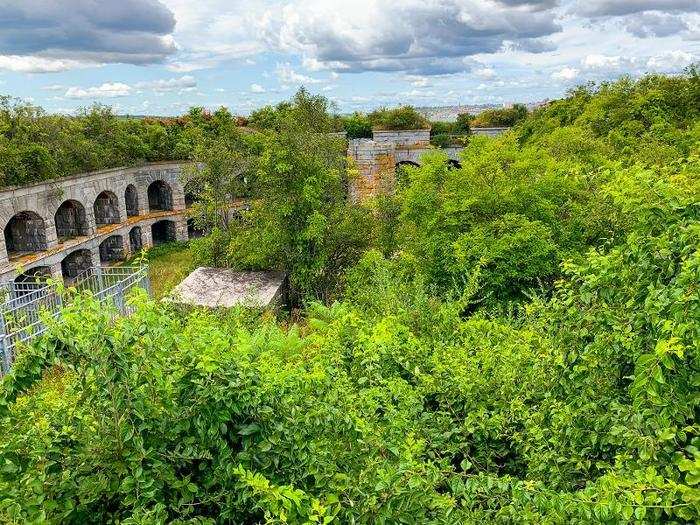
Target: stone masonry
44,223
375,159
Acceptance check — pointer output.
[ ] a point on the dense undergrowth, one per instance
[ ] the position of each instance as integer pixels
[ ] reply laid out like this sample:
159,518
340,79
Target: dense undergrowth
513,342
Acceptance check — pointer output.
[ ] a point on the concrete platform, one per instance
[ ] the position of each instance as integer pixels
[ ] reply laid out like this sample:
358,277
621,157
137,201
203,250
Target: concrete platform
224,288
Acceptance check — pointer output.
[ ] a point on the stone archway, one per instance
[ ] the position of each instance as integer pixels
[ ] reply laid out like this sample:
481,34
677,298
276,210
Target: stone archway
163,231
106,209
75,263
70,220
34,275
160,196
25,233
112,249
135,240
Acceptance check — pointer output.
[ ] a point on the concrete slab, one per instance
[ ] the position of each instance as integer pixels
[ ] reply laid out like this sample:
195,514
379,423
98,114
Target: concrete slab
224,288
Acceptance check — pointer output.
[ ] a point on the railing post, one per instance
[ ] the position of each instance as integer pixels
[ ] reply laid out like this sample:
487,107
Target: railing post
4,348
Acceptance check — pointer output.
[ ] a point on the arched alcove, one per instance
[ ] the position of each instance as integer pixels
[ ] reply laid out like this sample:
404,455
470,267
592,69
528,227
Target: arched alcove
25,233
163,231
70,220
112,249
75,263
106,209
160,196
135,239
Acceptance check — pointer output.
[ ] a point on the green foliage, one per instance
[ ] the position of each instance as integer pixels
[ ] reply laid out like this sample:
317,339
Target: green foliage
357,126
36,146
505,117
302,223
392,406
514,341
404,117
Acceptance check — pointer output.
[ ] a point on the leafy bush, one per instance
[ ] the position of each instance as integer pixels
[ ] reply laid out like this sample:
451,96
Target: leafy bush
505,117
404,117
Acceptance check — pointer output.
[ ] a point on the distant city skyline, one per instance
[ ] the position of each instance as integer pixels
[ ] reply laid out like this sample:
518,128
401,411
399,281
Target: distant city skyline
161,57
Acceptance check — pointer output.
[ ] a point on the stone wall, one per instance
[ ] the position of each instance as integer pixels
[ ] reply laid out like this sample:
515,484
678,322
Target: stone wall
374,161
33,217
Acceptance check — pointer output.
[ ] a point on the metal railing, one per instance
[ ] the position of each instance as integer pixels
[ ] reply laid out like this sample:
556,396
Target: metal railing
24,305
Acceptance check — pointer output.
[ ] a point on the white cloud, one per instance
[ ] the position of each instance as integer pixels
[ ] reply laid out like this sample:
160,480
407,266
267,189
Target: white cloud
566,74
186,82
427,37
34,64
106,90
257,88
287,75
486,73
670,61
601,62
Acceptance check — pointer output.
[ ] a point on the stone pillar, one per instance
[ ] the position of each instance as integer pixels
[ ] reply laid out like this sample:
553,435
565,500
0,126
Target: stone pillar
3,251
142,191
56,271
121,207
146,236
181,228
374,164
95,255
51,235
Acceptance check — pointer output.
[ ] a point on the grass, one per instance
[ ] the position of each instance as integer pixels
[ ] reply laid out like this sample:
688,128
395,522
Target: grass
168,265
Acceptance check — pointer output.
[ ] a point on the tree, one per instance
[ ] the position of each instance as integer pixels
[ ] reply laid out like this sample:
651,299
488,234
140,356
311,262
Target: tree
301,222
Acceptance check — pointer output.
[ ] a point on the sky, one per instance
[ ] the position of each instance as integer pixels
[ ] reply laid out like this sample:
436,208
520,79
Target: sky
161,57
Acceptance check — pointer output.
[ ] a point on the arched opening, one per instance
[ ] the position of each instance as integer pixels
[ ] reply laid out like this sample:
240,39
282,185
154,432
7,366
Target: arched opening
135,239
25,233
131,198
160,196
112,249
192,191
453,164
75,263
106,209
402,170
193,230
34,275
162,232
71,220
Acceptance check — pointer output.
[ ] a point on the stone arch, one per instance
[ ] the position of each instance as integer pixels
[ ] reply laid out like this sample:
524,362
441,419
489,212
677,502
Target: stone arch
25,233
106,208
131,198
160,196
34,275
71,220
135,239
75,263
453,164
112,249
163,231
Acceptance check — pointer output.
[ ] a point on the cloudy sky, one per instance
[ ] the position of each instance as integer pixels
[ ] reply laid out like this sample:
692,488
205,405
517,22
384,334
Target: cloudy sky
160,57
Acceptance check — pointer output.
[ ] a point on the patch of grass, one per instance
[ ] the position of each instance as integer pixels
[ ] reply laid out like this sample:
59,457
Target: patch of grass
168,265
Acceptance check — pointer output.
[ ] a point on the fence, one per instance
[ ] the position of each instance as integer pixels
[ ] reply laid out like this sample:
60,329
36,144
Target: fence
23,305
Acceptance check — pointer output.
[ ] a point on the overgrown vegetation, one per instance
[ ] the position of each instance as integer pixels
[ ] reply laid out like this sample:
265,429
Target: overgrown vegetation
515,341
36,146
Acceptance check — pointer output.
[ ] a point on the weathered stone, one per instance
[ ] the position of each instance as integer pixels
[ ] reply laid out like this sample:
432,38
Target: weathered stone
221,287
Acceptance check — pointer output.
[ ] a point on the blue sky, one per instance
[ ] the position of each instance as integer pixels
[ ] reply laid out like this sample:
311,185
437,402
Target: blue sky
160,57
